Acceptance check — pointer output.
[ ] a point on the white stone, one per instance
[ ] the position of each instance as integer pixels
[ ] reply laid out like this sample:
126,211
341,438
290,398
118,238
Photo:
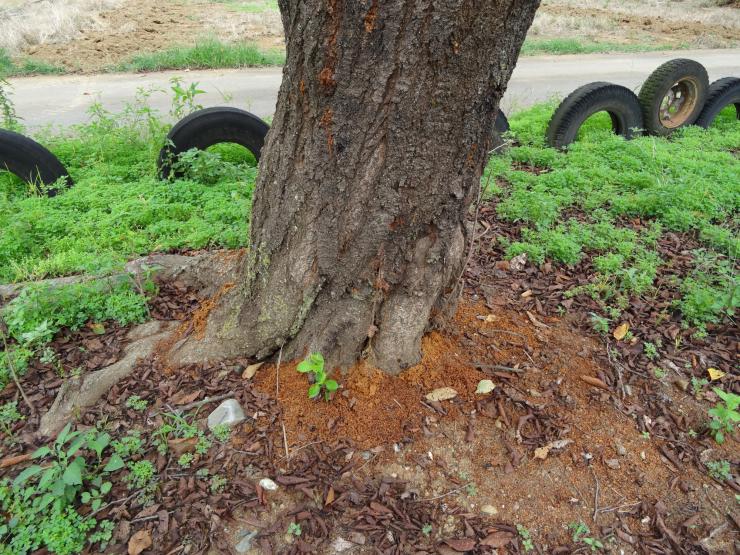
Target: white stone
489,510
229,412
267,484
340,545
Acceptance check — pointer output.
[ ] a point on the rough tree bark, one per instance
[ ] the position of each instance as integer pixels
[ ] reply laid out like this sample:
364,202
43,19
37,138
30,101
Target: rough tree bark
382,129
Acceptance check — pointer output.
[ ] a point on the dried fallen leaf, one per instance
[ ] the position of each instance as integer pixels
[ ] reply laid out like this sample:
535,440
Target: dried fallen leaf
329,497
140,541
485,386
441,394
97,328
621,331
595,382
461,545
185,398
251,370
535,321
715,374
180,445
542,452
518,262
497,539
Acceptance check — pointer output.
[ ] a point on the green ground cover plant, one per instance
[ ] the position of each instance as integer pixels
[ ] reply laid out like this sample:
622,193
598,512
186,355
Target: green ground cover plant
686,184
118,208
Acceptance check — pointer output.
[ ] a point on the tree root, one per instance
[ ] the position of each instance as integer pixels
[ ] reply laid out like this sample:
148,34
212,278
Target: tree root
80,393
203,272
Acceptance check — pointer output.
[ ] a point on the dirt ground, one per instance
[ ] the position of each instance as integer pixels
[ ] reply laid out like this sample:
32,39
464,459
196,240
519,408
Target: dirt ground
692,23
109,32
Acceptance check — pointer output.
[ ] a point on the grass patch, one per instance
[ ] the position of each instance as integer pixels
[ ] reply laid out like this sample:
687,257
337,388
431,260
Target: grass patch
686,184
206,54
25,66
534,47
118,208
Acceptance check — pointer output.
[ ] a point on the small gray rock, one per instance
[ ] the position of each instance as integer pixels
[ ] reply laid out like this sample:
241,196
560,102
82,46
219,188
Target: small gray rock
229,412
245,543
612,463
621,451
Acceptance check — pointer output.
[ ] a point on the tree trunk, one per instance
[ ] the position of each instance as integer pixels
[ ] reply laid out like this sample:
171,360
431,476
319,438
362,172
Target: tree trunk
383,125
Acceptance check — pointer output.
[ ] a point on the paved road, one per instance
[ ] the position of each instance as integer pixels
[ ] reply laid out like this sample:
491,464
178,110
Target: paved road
65,100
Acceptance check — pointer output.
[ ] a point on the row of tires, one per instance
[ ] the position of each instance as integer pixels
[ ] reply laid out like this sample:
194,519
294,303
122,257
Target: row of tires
675,95
36,165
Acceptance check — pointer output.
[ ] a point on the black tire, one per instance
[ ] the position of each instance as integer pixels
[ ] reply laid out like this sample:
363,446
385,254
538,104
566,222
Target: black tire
619,102
31,162
722,93
501,125
688,81
208,127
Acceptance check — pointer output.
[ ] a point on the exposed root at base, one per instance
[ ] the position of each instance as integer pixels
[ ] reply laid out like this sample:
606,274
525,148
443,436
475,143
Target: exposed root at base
81,392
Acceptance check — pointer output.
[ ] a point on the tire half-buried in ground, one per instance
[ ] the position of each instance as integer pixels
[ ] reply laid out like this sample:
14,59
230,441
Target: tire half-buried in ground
209,127
673,96
500,126
722,93
619,102
31,162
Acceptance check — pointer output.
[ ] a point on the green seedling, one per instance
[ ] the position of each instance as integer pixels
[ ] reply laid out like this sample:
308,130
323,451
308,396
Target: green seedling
218,483
137,403
294,529
719,470
526,538
580,535
314,365
185,460
725,416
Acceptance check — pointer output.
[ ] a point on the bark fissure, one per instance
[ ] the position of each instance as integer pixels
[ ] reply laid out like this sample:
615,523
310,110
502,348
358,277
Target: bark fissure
381,132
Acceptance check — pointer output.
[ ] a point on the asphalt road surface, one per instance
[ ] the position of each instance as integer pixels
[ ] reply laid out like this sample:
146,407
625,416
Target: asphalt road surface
64,100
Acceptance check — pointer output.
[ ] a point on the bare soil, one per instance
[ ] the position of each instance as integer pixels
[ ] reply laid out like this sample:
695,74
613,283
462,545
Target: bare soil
122,29
691,23
141,26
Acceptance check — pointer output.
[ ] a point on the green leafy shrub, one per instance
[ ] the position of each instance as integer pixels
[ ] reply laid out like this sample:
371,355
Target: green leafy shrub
41,503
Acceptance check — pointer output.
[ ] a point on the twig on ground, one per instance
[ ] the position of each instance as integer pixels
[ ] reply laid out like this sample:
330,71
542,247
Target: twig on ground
285,441
116,502
196,404
509,332
596,493
482,366
451,492
277,373
303,447
16,459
